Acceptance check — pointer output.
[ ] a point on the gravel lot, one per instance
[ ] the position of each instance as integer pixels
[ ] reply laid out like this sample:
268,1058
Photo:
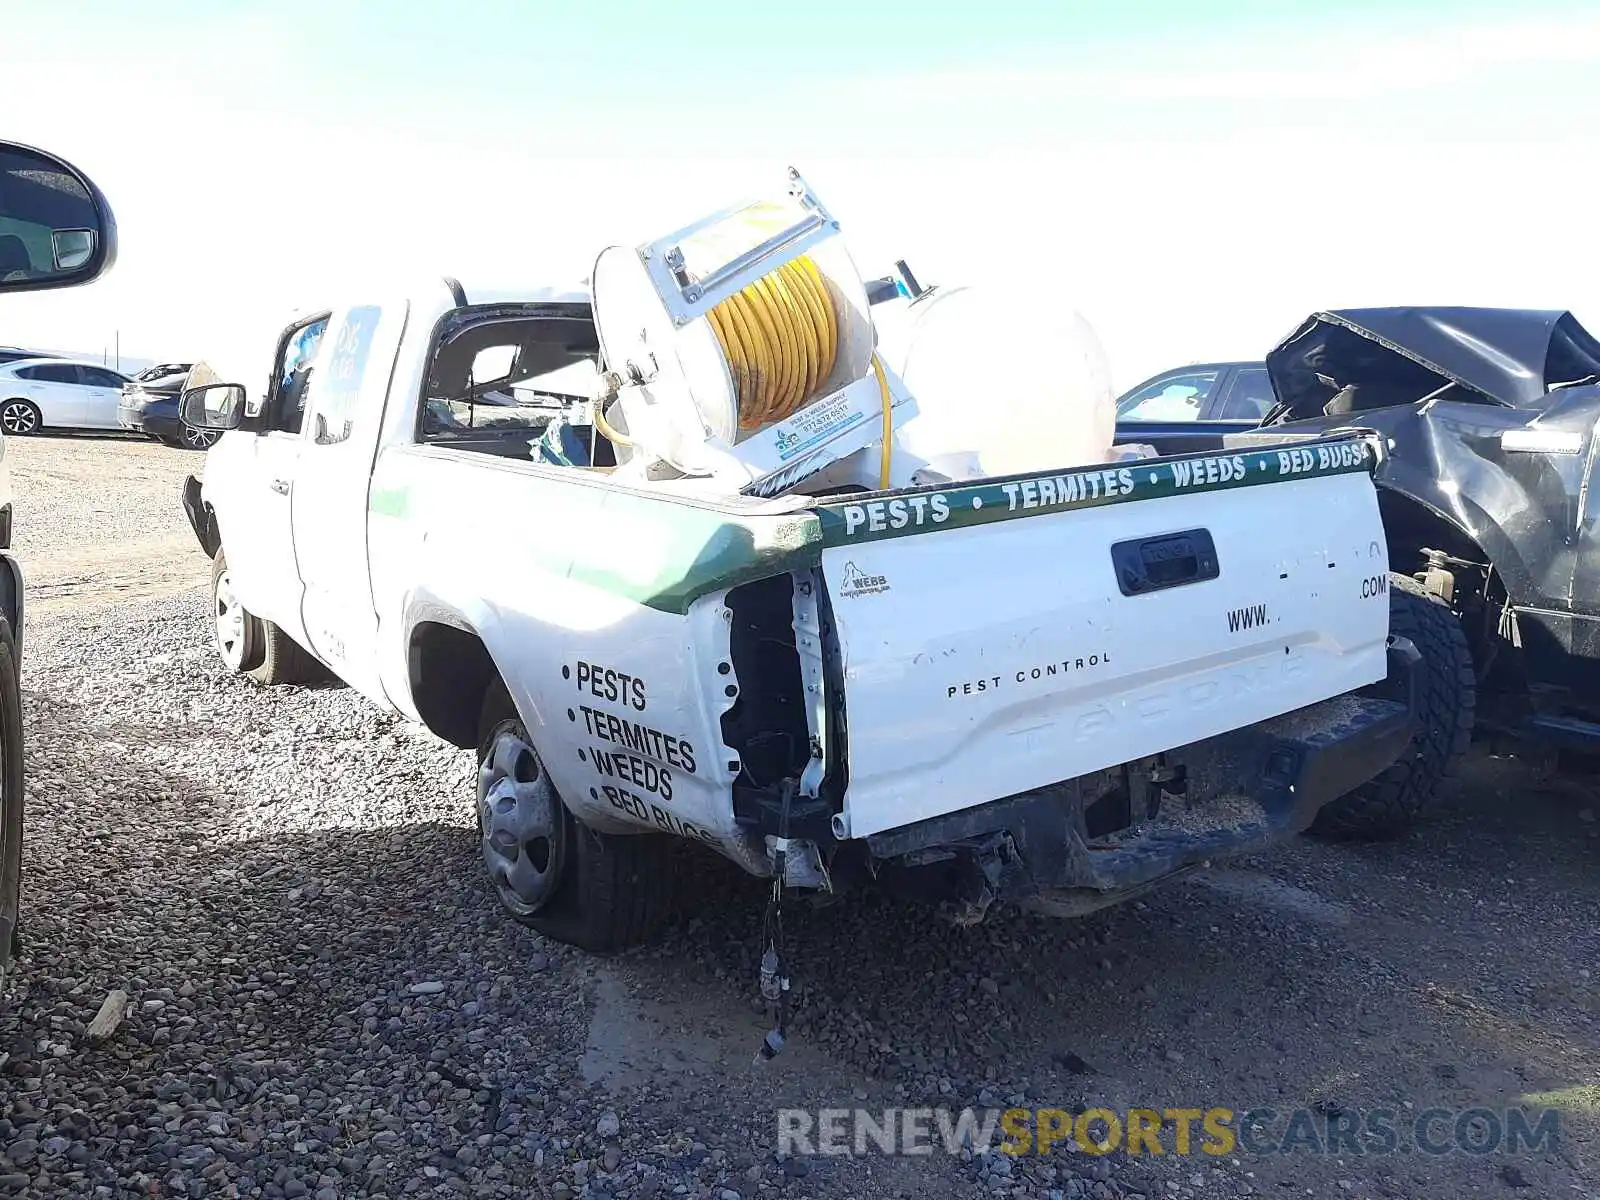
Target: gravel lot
325,1001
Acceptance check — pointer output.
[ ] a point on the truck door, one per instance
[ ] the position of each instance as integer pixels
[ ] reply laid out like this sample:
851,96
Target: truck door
329,507
258,474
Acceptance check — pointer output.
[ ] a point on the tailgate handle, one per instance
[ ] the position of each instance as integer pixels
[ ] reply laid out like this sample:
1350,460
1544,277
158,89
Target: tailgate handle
1171,560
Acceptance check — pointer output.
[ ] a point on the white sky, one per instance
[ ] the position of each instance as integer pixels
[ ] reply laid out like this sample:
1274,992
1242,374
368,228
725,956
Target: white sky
1193,194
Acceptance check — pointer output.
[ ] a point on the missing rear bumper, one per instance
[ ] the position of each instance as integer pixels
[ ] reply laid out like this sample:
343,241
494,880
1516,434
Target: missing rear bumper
1086,843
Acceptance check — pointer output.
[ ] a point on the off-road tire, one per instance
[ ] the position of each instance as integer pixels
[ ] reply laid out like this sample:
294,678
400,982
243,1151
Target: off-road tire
616,890
11,779
271,655
1395,800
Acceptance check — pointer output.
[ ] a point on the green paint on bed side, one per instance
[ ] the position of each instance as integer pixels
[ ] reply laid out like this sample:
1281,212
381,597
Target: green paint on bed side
389,501
664,553
926,510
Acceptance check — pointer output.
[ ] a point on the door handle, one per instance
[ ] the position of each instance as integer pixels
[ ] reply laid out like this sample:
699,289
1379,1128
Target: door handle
281,486
1172,560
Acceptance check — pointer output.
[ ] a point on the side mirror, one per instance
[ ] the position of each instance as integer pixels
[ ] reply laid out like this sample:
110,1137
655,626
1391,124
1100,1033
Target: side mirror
56,228
212,406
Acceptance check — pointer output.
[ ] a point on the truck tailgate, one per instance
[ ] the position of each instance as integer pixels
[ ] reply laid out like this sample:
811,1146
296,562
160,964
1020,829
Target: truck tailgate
1010,634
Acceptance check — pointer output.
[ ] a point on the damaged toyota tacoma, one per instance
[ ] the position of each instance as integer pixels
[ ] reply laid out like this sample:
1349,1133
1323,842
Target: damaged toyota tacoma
672,583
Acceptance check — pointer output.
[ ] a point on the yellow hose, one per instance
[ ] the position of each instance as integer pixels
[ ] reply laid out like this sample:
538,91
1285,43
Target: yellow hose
888,423
604,426
780,337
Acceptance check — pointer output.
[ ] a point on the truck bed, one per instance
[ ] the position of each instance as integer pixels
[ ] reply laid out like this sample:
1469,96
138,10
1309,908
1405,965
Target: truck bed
936,648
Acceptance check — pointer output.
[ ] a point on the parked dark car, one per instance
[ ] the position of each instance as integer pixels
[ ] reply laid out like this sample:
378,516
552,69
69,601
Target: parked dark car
150,406
1489,498
1216,391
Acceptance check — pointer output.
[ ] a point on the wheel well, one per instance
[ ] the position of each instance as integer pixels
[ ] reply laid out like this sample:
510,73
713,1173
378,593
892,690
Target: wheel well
450,670
1469,583
1411,528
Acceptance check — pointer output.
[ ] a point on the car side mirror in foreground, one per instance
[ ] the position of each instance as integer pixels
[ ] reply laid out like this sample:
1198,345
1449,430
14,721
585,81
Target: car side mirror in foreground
56,228
212,406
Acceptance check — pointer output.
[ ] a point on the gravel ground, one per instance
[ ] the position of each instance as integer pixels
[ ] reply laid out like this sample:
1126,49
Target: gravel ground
98,520
325,1002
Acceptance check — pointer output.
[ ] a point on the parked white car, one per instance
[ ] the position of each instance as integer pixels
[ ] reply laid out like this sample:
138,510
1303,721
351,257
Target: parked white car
58,393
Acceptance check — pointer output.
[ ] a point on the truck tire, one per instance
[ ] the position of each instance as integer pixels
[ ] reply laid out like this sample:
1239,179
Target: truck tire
11,799
1391,803
250,645
597,891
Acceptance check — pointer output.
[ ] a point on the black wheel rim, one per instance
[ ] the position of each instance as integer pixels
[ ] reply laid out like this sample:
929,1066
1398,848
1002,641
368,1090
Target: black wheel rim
18,418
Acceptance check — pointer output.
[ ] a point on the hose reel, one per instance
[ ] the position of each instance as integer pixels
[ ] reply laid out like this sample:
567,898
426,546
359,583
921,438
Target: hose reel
743,347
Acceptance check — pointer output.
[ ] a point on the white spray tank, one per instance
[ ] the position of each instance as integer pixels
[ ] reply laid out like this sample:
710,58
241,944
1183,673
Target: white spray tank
1004,382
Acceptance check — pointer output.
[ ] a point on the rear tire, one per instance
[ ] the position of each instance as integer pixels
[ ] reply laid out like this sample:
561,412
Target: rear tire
250,645
1395,800
19,418
598,891
284,660
11,799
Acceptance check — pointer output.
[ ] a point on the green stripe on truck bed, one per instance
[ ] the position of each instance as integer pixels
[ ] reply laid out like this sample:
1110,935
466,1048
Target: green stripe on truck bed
923,510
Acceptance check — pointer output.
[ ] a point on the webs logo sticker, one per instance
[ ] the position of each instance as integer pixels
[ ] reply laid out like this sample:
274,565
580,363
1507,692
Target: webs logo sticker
853,582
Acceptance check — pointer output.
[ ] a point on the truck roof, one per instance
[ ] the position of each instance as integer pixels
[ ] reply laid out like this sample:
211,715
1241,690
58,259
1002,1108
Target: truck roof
499,292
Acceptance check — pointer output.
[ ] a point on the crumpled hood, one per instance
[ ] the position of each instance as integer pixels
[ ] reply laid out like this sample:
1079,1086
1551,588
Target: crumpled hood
1504,354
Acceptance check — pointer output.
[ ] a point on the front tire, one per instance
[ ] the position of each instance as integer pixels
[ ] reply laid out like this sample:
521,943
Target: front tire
11,799
19,418
597,891
250,645
1395,800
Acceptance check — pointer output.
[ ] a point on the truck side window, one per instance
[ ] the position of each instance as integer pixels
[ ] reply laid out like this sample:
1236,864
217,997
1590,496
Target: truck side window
292,378
336,401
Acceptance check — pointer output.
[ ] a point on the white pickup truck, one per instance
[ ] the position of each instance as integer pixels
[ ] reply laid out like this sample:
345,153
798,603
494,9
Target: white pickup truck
1054,689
